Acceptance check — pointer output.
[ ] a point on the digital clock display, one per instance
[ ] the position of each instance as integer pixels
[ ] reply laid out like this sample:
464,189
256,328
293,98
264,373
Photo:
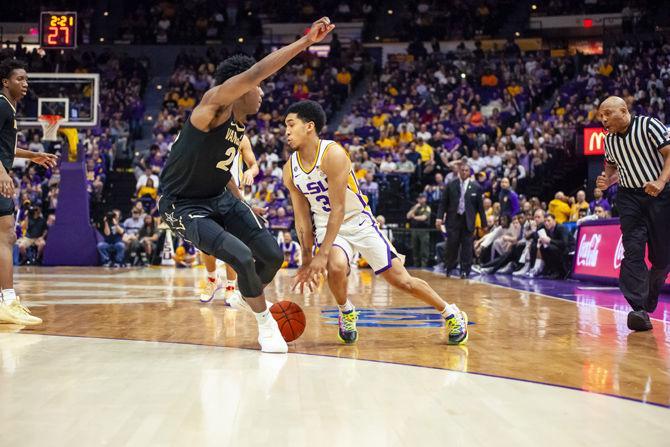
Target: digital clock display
58,29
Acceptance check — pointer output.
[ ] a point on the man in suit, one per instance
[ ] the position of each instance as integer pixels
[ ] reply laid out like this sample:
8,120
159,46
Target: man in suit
555,243
461,202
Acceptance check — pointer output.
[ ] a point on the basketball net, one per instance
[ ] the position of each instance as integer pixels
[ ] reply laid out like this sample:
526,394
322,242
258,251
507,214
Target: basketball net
50,124
168,252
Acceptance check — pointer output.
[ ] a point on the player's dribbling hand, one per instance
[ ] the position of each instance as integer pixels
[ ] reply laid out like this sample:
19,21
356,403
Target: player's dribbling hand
654,188
318,265
6,185
303,278
602,182
320,29
46,160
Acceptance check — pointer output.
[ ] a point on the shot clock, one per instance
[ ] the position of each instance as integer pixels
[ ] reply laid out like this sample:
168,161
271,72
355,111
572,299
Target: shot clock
58,30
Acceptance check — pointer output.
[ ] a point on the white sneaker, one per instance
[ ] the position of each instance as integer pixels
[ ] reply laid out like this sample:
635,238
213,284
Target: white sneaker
16,313
270,338
207,294
523,271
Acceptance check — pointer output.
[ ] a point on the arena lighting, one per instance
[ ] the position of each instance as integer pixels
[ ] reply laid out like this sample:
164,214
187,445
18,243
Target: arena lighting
463,75
105,13
102,39
588,23
390,12
376,37
517,34
240,39
533,7
159,87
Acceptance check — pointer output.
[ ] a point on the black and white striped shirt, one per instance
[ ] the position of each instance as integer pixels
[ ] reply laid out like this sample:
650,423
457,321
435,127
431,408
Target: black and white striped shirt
636,152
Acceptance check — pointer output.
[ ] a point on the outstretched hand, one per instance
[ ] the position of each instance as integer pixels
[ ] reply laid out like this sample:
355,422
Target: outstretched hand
304,278
46,160
320,29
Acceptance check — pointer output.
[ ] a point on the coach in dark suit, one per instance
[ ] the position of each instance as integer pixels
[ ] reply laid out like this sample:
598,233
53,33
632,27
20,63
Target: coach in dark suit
461,202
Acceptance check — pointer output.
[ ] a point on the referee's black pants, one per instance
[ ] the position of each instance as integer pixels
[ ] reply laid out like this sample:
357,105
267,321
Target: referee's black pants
645,221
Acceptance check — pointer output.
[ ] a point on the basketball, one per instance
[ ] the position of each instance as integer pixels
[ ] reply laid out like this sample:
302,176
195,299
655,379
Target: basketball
290,318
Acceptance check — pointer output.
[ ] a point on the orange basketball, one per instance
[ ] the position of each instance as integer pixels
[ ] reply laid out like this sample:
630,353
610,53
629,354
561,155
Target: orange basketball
290,318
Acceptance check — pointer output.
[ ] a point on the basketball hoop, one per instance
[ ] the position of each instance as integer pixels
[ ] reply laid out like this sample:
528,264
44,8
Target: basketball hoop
50,124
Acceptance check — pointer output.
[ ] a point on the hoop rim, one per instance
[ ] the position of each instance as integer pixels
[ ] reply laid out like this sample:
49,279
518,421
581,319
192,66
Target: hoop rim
51,119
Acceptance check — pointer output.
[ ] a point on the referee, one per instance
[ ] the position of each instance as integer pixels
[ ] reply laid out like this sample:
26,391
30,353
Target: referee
637,154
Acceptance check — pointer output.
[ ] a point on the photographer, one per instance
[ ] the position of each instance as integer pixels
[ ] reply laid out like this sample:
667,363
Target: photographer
35,235
113,243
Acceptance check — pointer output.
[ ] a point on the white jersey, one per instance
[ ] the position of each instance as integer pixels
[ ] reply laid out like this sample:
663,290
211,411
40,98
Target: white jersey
237,168
313,183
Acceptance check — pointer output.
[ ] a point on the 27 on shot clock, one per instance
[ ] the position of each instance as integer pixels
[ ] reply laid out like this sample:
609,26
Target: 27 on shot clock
58,30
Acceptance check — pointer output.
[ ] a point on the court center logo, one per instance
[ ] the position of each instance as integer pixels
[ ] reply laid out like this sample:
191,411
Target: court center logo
618,253
393,317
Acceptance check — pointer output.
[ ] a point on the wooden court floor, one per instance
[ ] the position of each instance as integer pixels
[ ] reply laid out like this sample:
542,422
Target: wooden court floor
515,334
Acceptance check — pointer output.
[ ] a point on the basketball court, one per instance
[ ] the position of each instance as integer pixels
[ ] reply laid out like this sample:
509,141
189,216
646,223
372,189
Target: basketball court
134,359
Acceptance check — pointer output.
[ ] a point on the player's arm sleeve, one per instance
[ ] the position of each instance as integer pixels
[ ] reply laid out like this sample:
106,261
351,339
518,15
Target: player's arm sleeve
658,134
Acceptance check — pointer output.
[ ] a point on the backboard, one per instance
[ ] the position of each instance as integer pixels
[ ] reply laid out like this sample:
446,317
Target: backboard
75,96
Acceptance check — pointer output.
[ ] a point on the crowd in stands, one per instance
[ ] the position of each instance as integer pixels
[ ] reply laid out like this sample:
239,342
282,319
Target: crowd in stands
122,83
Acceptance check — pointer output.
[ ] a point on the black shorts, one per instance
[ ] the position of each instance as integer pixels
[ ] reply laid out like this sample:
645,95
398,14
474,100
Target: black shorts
230,213
6,206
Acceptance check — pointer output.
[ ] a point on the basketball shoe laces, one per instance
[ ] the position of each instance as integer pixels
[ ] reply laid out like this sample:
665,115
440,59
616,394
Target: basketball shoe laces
456,324
349,321
17,306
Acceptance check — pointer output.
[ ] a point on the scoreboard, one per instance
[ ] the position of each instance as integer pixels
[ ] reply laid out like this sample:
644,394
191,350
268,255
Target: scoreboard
58,30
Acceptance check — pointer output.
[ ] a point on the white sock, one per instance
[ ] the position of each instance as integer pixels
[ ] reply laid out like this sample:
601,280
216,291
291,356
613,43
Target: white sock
448,311
230,283
262,317
346,307
539,265
8,296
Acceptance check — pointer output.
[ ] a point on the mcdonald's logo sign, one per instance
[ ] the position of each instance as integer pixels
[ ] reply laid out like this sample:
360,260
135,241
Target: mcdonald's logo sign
594,141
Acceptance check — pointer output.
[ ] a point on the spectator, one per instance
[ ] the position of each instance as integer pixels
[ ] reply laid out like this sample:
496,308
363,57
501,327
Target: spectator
132,227
291,250
508,199
36,232
113,244
554,245
599,200
419,217
580,205
370,189
559,208
148,239
142,180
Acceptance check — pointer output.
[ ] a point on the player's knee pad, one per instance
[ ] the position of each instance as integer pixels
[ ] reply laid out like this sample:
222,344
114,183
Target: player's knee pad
272,259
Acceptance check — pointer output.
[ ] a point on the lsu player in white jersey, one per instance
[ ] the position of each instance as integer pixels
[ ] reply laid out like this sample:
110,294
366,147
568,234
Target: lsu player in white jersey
242,178
322,185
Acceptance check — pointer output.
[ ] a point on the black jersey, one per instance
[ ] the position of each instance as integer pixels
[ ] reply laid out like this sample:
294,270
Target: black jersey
199,164
8,132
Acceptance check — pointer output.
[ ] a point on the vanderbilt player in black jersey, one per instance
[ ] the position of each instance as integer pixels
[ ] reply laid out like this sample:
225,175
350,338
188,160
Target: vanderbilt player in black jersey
14,87
195,203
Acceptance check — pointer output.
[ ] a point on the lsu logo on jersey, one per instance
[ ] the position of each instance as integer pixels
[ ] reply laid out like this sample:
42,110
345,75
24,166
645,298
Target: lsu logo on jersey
313,188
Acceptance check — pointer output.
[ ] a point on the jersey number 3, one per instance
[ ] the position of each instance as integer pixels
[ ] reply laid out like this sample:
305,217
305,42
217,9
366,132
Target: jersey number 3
224,165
